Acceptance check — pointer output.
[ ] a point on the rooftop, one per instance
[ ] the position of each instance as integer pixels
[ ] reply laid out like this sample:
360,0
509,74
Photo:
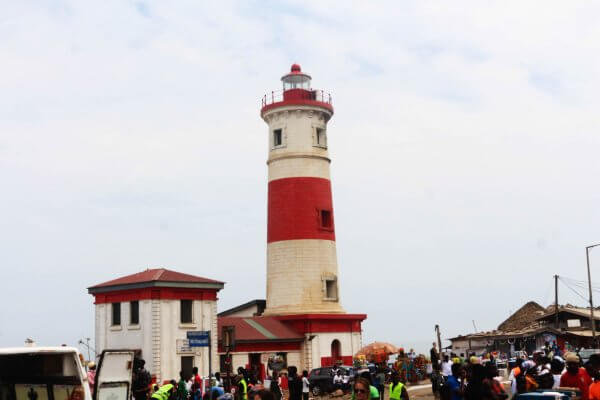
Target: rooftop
259,329
260,304
160,277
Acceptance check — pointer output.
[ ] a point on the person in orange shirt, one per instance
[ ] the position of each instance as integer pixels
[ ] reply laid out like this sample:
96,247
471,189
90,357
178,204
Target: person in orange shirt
594,364
576,376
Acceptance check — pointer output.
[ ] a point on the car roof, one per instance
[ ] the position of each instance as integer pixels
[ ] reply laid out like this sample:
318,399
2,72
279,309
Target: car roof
38,349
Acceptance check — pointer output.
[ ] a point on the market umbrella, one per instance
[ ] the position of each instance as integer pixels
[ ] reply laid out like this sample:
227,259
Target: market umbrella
377,349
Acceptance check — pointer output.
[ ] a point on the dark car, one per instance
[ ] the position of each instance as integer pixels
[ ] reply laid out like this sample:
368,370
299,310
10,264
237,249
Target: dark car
321,379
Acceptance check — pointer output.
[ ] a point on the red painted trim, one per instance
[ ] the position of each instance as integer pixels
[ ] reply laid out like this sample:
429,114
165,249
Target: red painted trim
293,97
324,323
360,317
163,293
264,347
294,207
330,361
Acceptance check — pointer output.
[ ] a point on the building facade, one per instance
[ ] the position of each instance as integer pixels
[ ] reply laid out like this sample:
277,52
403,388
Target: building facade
152,312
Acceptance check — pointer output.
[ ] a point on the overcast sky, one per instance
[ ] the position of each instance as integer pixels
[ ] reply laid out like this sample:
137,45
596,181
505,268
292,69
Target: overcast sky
465,147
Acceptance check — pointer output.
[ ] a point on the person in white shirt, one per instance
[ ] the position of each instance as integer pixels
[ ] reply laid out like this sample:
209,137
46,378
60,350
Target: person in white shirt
446,367
338,380
305,385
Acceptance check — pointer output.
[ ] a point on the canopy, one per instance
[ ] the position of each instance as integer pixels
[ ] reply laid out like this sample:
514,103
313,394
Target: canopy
377,350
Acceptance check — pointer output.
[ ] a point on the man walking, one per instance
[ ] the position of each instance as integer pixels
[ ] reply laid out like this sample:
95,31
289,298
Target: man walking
141,380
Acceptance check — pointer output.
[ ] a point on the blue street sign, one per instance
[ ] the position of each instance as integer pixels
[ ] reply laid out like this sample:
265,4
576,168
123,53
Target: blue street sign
199,338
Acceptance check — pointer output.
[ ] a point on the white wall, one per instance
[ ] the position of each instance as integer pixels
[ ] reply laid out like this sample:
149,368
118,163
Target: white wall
125,336
205,317
170,329
350,343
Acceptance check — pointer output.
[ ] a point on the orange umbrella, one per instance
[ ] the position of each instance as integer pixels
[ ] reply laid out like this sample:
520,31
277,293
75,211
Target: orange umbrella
377,350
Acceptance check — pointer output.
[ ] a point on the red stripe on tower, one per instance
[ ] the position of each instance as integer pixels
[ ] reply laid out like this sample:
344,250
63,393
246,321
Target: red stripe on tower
300,208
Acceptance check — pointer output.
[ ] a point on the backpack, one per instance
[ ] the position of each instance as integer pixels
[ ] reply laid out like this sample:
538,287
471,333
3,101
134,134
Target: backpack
521,383
445,392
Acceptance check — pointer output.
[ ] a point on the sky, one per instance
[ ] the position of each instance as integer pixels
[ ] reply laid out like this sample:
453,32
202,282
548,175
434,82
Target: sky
465,153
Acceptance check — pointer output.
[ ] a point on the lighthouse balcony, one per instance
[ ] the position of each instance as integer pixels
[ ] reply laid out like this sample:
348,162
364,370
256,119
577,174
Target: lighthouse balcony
289,97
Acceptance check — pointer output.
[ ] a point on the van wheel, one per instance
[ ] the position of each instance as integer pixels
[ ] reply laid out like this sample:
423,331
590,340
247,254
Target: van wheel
316,391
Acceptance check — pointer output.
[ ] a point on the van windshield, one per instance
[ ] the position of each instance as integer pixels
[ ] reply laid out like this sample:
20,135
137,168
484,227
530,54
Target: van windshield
39,376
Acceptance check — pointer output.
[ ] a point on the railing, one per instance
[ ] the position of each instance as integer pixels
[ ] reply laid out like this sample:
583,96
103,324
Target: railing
278,96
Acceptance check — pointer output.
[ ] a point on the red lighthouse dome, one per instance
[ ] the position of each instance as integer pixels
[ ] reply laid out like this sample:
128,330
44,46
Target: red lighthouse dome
296,90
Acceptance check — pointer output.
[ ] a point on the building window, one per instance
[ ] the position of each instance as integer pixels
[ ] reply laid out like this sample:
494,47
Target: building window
186,312
277,138
134,312
320,138
330,288
573,323
116,314
325,220
187,365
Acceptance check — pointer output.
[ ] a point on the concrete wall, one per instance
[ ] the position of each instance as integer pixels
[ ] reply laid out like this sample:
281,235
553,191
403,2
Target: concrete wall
124,336
157,334
311,260
350,343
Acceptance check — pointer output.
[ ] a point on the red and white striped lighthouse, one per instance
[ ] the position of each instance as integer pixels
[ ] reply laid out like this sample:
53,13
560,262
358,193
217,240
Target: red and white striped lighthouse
302,271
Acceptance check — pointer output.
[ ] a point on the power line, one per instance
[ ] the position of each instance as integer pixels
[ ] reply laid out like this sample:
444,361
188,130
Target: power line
572,289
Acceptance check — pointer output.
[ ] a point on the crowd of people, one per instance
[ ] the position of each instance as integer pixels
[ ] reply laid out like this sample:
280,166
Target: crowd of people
455,378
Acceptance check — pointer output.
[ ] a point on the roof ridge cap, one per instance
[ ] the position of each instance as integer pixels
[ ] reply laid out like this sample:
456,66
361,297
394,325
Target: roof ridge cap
158,274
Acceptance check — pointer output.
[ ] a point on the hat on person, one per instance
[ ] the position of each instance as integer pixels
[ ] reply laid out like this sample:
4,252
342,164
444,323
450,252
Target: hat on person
91,365
572,357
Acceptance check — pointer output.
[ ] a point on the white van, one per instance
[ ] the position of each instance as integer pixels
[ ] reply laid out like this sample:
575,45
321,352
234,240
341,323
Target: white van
56,373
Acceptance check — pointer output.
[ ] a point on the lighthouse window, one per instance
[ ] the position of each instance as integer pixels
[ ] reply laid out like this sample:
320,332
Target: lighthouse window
321,139
326,219
277,138
330,288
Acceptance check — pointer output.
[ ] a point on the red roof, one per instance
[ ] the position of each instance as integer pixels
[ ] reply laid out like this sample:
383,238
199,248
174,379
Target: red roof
156,275
251,329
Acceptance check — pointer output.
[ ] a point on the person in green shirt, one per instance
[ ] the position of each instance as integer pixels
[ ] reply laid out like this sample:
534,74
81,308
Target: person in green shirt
397,389
163,393
182,393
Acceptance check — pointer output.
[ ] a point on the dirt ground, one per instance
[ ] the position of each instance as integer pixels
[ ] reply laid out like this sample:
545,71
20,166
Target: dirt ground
422,391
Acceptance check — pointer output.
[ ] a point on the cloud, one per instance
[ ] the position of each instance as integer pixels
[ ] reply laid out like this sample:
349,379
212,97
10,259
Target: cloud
465,137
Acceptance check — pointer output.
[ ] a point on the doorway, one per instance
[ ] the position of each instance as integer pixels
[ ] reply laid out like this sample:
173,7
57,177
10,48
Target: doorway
336,351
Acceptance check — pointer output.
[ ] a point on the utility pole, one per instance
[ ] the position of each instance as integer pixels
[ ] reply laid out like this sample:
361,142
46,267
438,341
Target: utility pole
587,256
556,301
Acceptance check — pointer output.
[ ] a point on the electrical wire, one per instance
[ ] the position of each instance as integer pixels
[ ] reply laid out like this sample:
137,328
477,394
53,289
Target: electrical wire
572,289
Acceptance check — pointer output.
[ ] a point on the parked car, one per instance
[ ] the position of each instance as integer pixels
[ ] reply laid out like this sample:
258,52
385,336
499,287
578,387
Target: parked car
321,379
585,354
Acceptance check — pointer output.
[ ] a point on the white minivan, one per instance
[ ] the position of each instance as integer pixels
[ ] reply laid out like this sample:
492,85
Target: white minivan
56,373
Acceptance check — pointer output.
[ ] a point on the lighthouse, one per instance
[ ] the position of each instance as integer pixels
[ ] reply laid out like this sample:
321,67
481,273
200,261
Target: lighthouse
302,271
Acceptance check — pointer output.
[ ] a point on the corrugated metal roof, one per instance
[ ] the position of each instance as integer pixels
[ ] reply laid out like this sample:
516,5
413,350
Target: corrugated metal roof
261,329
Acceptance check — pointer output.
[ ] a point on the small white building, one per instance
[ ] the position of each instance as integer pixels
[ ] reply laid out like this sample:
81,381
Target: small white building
152,312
